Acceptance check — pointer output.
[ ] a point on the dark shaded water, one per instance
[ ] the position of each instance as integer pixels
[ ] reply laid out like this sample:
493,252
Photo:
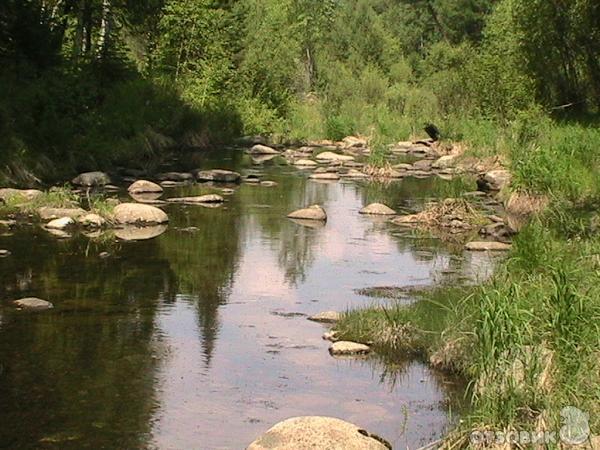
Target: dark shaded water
197,339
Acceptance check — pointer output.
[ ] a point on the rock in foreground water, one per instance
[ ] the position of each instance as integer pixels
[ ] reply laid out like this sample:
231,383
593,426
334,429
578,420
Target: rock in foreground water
136,213
209,198
260,149
378,209
33,303
60,224
330,156
314,212
311,433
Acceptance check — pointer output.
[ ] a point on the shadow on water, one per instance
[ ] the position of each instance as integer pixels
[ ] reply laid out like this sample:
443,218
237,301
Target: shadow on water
175,341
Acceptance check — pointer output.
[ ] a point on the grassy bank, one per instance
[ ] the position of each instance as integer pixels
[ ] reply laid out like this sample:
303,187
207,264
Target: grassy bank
527,339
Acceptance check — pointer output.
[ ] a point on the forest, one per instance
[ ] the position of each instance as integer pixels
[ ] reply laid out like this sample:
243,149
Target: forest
89,83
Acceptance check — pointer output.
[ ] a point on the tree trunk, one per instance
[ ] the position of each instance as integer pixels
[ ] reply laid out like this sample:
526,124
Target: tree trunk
105,30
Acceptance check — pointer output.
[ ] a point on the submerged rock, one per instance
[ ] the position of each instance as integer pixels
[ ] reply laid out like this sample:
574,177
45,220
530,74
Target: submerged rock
60,224
218,175
210,198
136,213
346,348
260,149
91,179
330,156
378,209
326,317
304,433
314,212
33,303
487,246
144,187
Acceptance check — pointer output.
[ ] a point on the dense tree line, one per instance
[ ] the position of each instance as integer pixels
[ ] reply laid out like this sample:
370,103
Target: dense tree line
72,69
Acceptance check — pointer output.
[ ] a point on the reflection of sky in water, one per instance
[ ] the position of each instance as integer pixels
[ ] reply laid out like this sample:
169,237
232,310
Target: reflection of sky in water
267,367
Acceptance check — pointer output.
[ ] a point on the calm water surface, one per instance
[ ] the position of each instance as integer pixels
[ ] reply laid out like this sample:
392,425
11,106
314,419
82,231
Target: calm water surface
198,339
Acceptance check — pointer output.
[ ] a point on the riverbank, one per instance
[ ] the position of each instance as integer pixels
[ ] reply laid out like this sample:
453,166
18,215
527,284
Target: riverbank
527,339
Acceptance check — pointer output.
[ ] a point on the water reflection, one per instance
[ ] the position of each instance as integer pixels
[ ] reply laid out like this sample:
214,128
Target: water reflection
174,341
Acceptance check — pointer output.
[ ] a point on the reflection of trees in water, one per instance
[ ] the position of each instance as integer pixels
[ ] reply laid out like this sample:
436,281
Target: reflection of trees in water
84,372
204,262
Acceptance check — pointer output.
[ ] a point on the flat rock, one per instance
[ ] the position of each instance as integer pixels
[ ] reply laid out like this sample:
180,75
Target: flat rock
268,183
317,433
326,317
25,194
487,246
210,198
5,253
314,212
330,156
144,187
305,163
91,179
91,221
354,142
343,348
260,149
60,224
33,303
423,164
356,174
178,177
8,223
218,175
378,209
47,213
328,176
137,213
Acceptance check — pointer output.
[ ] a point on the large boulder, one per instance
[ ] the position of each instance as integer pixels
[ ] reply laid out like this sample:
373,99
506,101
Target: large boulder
378,209
91,179
33,303
330,156
144,187
139,214
218,175
314,212
48,213
494,180
25,194
309,433
260,149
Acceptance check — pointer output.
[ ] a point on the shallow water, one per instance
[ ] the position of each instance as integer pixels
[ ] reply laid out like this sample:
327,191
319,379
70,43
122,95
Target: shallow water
198,338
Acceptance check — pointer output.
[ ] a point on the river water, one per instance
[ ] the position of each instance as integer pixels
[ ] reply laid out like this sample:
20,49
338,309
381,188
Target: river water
198,338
